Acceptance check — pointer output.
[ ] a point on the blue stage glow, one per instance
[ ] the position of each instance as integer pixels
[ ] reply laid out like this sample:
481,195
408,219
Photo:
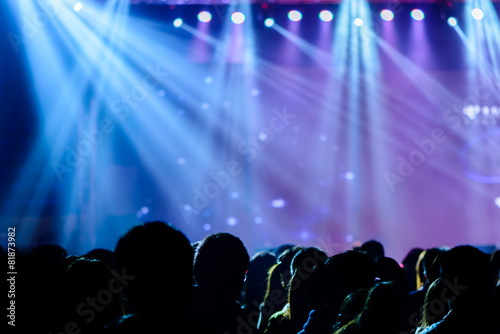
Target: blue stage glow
137,113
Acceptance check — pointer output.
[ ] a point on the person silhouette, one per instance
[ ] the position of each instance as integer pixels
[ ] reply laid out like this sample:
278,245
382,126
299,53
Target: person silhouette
155,265
220,263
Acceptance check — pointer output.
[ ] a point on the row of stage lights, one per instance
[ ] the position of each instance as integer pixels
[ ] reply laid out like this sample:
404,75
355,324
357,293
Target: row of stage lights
327,16
324,15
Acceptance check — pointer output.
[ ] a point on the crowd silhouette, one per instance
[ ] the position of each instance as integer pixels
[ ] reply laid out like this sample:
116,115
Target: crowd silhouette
158,281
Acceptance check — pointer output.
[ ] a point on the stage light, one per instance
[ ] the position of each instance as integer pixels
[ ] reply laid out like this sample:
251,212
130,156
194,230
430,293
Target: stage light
78,6
269,22
177,22
497,201
477,14
231,221
417,15
452,21
358,22
238,17
205,16
295,15
326,15
278,203
387,15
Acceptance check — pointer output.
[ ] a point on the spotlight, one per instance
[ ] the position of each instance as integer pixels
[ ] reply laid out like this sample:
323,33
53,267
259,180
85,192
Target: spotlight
295,15
477,14
387,15
269,22
417,15
177,22
238,17
78,6
452,21
231,221
358,22
326,15
278,203
204,16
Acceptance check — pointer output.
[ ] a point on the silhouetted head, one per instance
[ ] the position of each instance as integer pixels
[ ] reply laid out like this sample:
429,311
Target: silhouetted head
409,266
340,275
284,264
372,248
383,311
468,270
92,279
435,304
388,270
351,307
276,294
48,252
411,258
303,265
431,271
307,258
220,264
101,254
257,274
282,248
155,261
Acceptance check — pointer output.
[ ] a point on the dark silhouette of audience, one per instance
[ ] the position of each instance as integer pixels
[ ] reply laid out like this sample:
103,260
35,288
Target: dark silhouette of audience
382,313
155,265
332,282
435,306
372,248
103,255
220,264
276,296
466,272
255,286
410,267
156,280
428,271
92,302
296,312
